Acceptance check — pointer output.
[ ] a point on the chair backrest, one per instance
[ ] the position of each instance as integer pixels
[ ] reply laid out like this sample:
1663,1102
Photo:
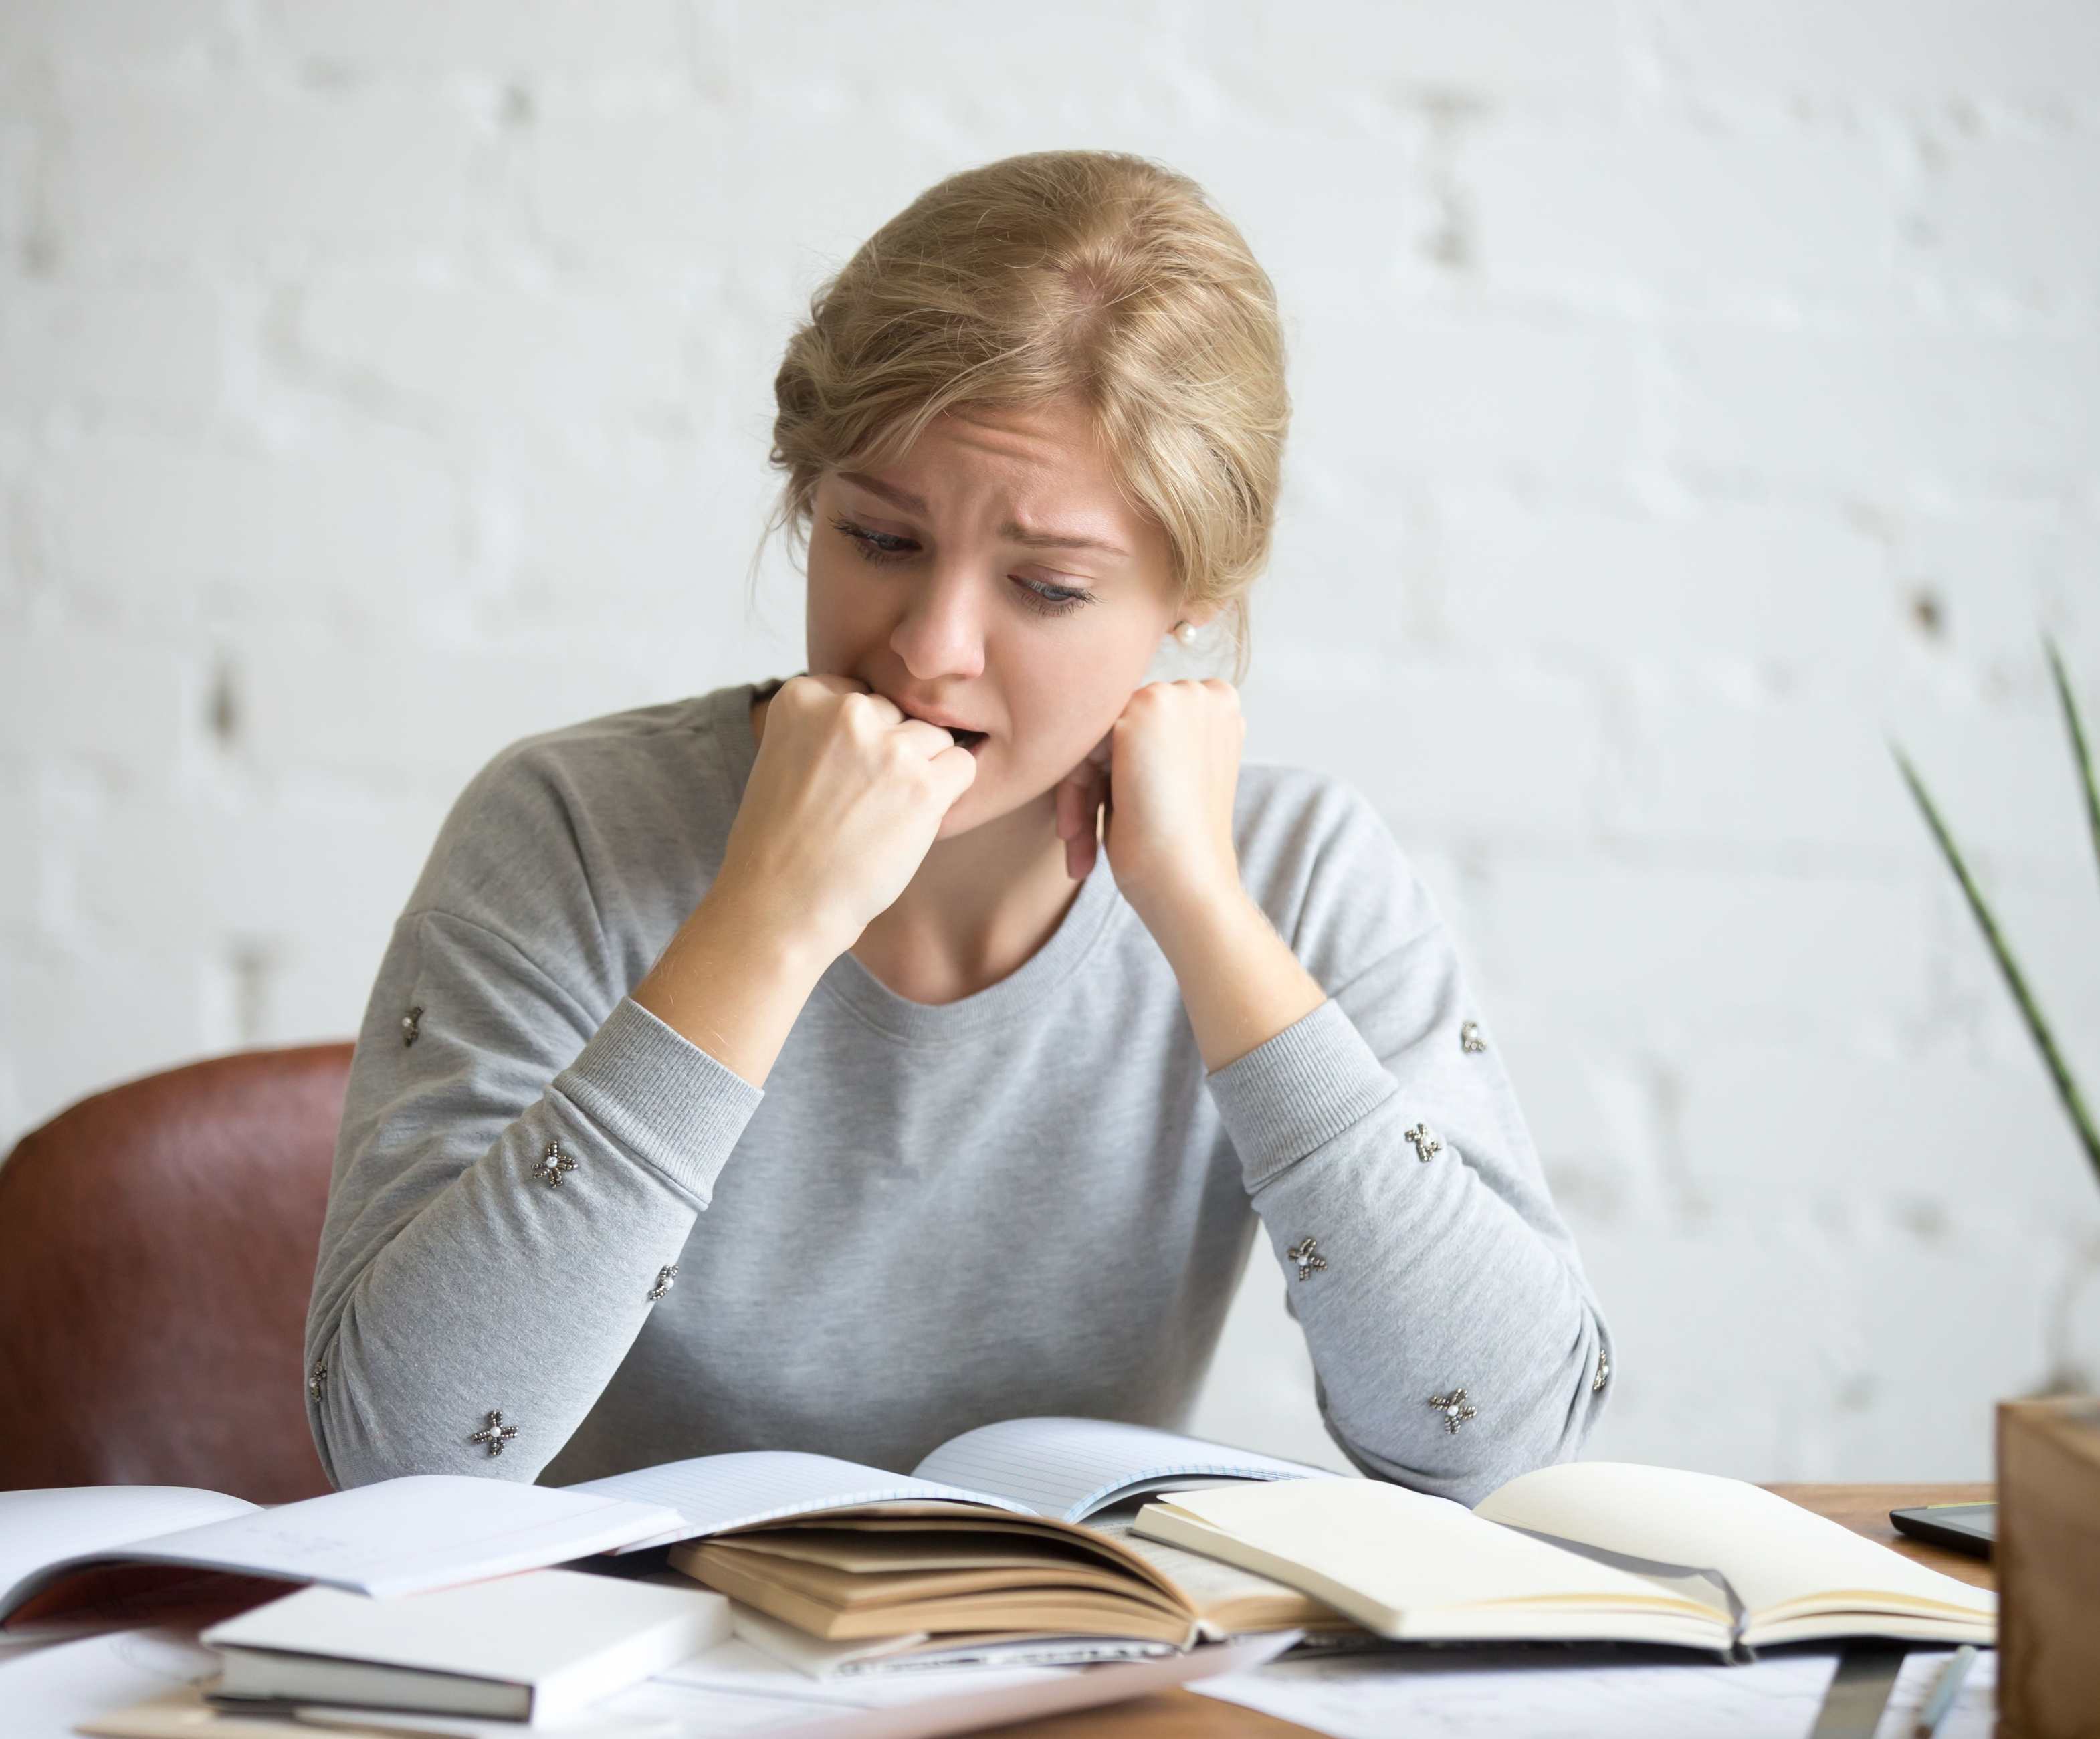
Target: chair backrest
156,1249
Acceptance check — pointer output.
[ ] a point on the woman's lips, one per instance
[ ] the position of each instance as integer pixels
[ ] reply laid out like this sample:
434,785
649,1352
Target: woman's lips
971,740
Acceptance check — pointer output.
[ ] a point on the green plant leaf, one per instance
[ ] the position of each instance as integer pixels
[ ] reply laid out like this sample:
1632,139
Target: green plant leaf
2079,752
2059,1071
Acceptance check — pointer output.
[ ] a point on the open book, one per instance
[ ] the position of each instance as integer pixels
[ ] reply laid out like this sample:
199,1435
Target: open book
1066,1469
1589,1550
400,1536
987,1539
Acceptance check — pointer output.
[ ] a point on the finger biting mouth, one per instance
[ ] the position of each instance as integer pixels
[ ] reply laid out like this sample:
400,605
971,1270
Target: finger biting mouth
971,740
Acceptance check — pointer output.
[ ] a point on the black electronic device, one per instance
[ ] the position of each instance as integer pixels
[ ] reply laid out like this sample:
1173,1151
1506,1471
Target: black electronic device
1972,1528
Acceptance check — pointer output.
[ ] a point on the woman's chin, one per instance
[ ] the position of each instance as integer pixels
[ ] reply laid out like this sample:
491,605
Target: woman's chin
988,801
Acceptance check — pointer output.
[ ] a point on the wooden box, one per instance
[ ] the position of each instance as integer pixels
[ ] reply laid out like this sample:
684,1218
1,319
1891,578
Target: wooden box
2048,1559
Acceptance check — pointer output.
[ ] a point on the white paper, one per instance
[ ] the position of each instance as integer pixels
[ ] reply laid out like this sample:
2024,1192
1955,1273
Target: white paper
1974,1714
1448,1694
1432,1695
42,1695
735,1690
741,1669
1068,1468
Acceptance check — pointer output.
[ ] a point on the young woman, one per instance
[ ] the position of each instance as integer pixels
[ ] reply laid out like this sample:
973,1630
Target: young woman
839,1063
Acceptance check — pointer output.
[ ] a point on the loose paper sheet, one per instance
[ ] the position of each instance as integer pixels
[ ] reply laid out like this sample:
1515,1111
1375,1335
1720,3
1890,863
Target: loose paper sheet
1460,1694
45,1692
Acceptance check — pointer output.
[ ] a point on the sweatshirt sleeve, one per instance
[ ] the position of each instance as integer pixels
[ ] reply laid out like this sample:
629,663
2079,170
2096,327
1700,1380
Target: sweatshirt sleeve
1456,1341
522,1153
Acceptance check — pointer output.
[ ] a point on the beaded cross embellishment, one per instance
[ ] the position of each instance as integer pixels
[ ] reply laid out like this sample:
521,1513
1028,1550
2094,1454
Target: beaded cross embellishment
1455,1408
549,1170
1427,1147
1303,1253
495,1433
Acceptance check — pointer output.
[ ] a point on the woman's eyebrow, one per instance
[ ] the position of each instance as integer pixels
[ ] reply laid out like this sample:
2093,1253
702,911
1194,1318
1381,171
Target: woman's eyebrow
912,504
1013,531
1016,533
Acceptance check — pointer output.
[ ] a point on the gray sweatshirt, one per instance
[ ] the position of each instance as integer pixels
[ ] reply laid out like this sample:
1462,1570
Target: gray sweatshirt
547,1204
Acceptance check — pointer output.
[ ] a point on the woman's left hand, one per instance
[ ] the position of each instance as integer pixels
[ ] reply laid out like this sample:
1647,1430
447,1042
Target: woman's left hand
1162,782
1163,779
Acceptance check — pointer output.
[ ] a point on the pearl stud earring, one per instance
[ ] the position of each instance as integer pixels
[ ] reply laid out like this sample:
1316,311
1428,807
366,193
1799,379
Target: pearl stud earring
1185,633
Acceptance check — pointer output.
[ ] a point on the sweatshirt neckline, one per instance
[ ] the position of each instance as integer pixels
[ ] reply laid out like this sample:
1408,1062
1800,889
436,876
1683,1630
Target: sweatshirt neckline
1020,992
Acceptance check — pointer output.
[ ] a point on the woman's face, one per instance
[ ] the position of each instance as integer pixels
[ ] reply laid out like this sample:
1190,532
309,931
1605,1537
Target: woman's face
994,581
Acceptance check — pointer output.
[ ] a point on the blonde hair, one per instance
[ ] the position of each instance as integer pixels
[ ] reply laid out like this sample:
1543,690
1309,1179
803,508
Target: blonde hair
1060,272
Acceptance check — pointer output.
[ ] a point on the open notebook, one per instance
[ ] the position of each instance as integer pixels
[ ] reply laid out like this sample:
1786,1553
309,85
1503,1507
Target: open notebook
134,1546
1589,1550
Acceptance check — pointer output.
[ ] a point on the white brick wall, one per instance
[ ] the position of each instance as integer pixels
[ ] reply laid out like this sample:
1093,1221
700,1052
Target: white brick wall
1691,394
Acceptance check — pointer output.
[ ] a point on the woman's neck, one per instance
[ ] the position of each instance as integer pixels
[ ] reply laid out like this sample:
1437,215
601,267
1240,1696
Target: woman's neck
977,911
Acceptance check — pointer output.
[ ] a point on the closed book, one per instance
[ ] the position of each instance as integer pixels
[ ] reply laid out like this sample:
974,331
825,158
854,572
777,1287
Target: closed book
536,1646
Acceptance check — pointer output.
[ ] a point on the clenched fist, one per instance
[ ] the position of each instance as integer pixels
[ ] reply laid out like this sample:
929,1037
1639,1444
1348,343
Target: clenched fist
843,804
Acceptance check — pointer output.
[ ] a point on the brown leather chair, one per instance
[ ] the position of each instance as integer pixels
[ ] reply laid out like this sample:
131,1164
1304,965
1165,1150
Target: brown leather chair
157,1248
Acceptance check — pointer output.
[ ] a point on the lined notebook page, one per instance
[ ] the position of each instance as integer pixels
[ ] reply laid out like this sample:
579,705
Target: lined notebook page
37,1527
712,1493
1069,1468
427,1531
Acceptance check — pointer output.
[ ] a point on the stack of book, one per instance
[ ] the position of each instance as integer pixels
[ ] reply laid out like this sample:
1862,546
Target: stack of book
1041,1536
1034,1541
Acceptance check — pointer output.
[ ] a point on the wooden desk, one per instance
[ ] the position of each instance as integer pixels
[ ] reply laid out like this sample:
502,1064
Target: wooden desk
1183,1714
1864,1509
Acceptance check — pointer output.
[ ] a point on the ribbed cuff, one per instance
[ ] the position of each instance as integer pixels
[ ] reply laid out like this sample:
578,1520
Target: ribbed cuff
663,1100
1292,1096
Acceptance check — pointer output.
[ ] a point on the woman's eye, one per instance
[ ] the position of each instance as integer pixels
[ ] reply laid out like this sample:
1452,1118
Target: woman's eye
875,546
1040,595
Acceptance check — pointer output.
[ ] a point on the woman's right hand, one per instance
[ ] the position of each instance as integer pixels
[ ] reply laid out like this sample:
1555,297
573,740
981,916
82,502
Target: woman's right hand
843,804
845,800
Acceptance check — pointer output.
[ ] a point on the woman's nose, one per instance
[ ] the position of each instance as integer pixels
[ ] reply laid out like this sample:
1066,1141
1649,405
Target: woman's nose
942,632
